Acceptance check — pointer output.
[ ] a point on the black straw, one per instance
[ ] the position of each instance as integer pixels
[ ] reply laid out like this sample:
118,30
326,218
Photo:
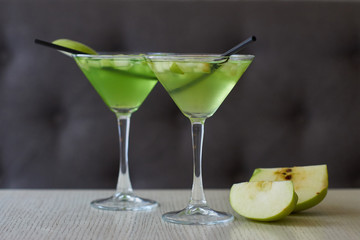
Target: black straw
239,47
58,47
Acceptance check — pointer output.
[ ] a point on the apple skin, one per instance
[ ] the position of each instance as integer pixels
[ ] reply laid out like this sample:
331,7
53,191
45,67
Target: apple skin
283,213
310,182
311,202
287,211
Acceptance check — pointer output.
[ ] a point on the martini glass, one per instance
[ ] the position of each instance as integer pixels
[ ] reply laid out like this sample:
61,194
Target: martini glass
198,84
123,82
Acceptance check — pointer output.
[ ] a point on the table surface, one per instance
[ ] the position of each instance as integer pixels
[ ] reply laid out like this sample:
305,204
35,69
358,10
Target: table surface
66,214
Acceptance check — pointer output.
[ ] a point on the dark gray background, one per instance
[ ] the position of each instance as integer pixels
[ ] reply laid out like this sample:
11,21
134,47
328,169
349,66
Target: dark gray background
298,103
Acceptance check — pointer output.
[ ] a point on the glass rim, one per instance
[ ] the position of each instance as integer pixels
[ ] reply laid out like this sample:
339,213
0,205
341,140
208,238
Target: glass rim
198,57
110,55
163,57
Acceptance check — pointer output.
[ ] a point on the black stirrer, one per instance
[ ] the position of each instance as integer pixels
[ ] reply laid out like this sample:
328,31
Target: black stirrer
239,47
58,47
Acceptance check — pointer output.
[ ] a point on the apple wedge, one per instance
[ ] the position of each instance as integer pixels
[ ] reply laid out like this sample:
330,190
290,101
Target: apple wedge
310,182
263,200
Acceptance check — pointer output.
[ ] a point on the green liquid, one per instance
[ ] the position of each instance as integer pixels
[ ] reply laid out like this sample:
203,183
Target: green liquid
122,83
199,88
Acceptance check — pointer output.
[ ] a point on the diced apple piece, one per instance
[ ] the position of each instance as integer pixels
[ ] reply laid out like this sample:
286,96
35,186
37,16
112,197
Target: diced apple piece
122,64
176,69
191,67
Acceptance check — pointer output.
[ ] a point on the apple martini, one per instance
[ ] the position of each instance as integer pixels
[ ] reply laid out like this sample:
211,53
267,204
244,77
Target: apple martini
123,82
198,84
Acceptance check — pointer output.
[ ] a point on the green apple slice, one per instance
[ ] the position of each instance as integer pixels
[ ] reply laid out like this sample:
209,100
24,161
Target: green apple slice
263,200
74,45
310,182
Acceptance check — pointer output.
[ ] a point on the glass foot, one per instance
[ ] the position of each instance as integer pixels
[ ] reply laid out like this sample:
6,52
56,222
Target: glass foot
124,202
197,215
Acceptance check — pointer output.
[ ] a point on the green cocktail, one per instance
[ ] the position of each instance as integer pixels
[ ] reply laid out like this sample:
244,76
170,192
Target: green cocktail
198,84
123,82
199,88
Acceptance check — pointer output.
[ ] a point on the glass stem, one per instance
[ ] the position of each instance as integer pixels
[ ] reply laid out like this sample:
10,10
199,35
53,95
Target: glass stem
197,132
124,184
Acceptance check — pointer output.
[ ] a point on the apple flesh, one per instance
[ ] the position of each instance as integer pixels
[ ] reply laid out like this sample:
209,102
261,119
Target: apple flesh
310,182
263,200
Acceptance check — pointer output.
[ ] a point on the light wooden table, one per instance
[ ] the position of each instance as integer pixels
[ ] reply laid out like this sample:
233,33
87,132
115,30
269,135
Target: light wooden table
66,214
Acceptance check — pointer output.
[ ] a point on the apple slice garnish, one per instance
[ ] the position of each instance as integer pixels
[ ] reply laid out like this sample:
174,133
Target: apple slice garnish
74,45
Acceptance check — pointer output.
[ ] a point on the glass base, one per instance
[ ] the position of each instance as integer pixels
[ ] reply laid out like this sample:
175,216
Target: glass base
124,202
197,215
